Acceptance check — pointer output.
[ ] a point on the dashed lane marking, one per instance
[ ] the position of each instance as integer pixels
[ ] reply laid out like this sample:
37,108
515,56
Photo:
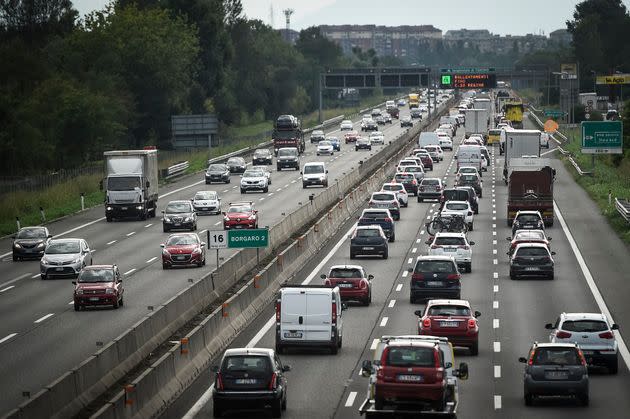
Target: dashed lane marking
495,288
414,250
152,259
495,323
497,402
7,288
384,321
495,275
374,344
497,346
495,304
41,319
497,371
148,225
7,337
399,287
111,242
391,303
130,271
130,234
404,274
410,260
351,397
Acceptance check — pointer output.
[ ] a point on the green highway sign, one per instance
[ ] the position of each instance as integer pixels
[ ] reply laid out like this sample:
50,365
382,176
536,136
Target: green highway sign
602,137
446,80
239,239
553,113
467,70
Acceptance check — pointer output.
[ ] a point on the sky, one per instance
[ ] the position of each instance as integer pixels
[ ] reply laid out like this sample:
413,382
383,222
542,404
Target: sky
499,17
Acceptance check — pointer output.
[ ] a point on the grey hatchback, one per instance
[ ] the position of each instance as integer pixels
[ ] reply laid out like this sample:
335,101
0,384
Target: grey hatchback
555,369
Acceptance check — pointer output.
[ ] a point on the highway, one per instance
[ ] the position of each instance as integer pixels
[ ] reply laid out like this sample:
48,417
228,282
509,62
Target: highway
41,336
514,313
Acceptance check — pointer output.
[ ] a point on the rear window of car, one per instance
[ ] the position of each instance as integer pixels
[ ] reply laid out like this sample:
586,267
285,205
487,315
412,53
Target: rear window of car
533,235
450,241
457,195
383,197
430,182
374,215
456,207
246,363
441,266
556,356
403,176
368,232
584,326
410,357
532,251
469,178
528,218
393,187
449,310
345,273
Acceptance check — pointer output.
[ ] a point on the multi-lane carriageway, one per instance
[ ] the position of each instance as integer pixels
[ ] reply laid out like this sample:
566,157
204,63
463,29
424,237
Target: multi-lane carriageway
41,336
513,312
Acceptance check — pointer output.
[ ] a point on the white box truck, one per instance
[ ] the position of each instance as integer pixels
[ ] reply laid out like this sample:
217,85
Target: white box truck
520,143
131,185
476,122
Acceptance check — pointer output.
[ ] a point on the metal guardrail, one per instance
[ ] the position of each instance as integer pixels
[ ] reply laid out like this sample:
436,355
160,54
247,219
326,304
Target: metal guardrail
623,208
578,169
176,170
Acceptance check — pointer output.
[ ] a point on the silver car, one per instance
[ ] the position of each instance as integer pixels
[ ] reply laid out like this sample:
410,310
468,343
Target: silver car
207,202
65,258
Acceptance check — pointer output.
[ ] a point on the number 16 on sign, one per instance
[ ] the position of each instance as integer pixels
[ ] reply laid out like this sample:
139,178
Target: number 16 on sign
217,240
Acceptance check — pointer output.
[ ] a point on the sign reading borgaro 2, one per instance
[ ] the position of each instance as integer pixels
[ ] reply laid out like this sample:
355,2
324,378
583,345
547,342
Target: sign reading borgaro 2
602,137
240,239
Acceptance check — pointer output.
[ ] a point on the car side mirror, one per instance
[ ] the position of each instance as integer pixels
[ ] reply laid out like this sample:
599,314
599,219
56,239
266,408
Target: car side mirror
223,212
50,236
549,239
455,157
428,241
162,211
477,314
326,171
410,270
471,243
553,253
74,282
418,313
215,368
448,365
370,277
615,326
367,368
549,326
301,173
286,368
13,237
203,244
523,360
508,239
322,276
462,371
162,245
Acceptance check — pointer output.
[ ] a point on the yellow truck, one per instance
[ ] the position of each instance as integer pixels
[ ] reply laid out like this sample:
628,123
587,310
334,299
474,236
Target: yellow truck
514,113
494,136
413,100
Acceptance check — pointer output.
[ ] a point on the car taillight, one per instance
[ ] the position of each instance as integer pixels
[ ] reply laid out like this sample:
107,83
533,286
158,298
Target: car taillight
439,375
327,283
388,220
278,305
363,284
218,384
334,313
466,247
472,323
413,182
531,359
419,277
436,358
560,334
273,382
453,277
607,335
380,374
581,355
426,323
435,246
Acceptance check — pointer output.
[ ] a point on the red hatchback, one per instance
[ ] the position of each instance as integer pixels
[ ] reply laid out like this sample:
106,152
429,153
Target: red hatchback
452,319
240,215
427,161
528,236
98,285
183,249
351,137
354,284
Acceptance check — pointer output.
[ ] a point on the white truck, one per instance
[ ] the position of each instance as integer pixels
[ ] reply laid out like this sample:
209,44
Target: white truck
520,143
476,122
131,185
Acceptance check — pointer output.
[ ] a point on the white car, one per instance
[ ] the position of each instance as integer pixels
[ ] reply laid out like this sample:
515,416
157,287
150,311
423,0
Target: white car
207,202
435,151
544,140
445,143
455,245
405,162
459,208
401,192
265,171
325,147
377,137
254,180
469,170
346,125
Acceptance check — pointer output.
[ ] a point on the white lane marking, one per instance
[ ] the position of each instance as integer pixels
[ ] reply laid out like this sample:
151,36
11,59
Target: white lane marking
495,288
262,199
7,337
410,260
202,231
428,217
404,274
391,303
111,242
494,242
278,190
384,321
495,323
497,371
286,186
495,275
293,181
599,299
130,234
71,302
152,259
130,271
494,218
421,233
495,304
399,287
92,250
41,319
495,261
374,344
494,233
7,288
434,204
217,223
234,187
494,211
148,225
181,189
414,250
497,346
16,279
35,276
497,402
270,194
226,191
494,226
351,397
494,251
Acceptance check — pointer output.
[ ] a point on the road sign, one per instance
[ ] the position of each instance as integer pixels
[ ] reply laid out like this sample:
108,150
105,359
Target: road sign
613,79
467,70
551,126
602,137
587,115
217,239
553,113
239,239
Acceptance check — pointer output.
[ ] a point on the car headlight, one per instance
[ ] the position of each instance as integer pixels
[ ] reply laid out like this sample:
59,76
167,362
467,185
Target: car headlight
79,291
167,219
108,208
44,261
77,260
188,219
139,207
197,251
165,252
41,246
252,217
17,245
109,291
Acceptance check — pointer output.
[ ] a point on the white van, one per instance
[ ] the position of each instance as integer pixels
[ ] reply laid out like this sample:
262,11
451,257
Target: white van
428,138
469,155
309,316
314,173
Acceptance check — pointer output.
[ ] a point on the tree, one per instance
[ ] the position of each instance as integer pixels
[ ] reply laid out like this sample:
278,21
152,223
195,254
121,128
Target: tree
36,20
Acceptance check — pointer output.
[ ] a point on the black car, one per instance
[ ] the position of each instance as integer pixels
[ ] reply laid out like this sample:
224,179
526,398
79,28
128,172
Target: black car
30,242
434,277
380,120
371,125
532,259
555,369
381,217
179,215
406,121
369,240
217,173
363,144
317,136
472,197
471,179
250,378
416,114
527,220
262,156
236,164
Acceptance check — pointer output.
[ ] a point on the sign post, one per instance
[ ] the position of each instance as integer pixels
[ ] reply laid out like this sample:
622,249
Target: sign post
602,137
217,239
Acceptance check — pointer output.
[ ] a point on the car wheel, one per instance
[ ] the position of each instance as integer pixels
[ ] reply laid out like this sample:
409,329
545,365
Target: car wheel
392,239
109,219
469,267
513,276
613,366
228,181
470,227
122,301
43,276
278,168
352,255
217,412
378,403
15,258
480,195
266,190
386,254
420,199
164,266
116,304
165,229
334,349
412,300
476,211
242,190
304,186
474,349
280,349
368,300
529,399
276,408
551,277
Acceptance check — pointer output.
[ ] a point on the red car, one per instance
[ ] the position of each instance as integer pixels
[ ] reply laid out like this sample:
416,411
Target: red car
411,372
453,319
351,137
240,215
183,249
427,161
354,284
528,236
98,285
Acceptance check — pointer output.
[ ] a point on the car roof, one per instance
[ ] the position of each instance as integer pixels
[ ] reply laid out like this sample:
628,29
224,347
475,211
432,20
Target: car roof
385,192
527,212
315,163
91,267
369,227
554,345
457,202
67,240
583,316
238,203
522,245
448,302
248,351
414,343
394,184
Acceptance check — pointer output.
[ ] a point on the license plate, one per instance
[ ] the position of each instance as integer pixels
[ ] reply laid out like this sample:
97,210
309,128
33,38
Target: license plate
205,209
238,226
434,283
531,268
123,208
368,248
177,224
449,324
94,298
246,381
180,257
59,269
292,334
556,375
411,378
450,249
528,226
345,285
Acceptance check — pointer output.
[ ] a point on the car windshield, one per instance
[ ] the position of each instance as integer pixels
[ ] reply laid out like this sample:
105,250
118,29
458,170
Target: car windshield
413,169
261,153
556,356
318,133
395,188
236,161
31,233
528,218
456,207
345,273
383,197
346,122
240,208
177,208
313,169
182,240
61,248
530,235
253,174
203,196
410,357
449,310
450,241
467,170
286,153
374,215
250,363
96,275
216,168
532,251
494,132
584,326
441,266
123,183
325,144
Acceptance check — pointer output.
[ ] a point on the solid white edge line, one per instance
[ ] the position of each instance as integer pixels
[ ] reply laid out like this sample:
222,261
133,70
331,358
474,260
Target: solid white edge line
7,337
351,397
590,281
